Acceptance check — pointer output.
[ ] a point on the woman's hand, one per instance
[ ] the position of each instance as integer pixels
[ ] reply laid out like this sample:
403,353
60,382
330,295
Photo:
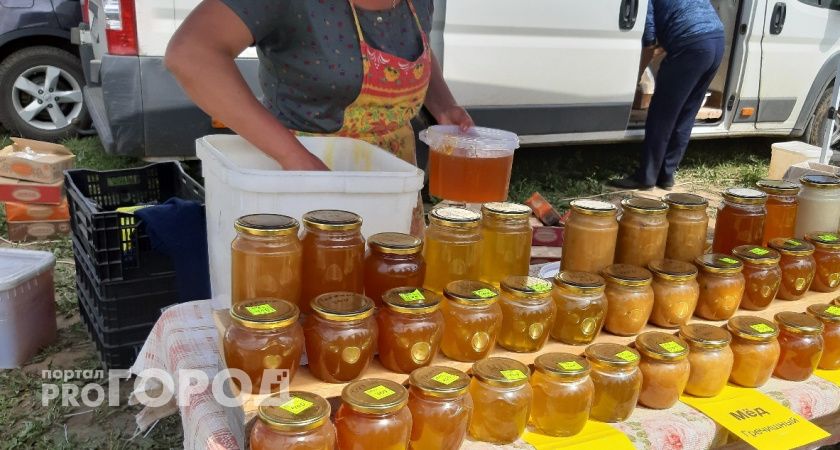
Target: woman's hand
441,103
455,115
302,160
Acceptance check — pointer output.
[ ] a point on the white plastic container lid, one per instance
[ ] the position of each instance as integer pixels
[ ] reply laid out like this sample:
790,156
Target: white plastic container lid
18,266
476,138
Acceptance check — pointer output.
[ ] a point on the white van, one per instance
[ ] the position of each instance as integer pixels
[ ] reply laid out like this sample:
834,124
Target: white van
553,71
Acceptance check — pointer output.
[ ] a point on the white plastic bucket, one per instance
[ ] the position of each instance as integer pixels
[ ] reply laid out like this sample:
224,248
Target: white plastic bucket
239,179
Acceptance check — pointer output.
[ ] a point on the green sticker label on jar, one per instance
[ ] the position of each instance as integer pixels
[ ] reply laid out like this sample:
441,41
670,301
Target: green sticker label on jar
672,347
539,286
828,237
793,242
379,392
484,293
415,296
833,310
260,310
759,251
729,260
762,328
445,378
296,405
627,355
513,375
570,365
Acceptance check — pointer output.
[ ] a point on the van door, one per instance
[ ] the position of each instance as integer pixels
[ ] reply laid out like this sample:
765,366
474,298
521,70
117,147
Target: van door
545,66
799,37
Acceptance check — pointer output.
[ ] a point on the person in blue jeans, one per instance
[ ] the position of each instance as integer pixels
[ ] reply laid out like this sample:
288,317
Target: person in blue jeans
692,36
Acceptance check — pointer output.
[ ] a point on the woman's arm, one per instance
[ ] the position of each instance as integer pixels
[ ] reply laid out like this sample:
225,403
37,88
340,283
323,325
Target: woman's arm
201,57
441,103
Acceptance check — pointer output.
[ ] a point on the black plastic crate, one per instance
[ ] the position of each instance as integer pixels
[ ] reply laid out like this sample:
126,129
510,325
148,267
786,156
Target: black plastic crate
119,249
111,356
113,337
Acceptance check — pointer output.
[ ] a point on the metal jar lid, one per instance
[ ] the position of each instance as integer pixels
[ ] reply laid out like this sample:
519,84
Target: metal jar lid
454,217
825,312
505,210
643,205
440,381
705,336
593,207
265,314
752,328
504,372
673,270
613,355
778,187
411,300
798,323
792,247
332,220
526,288
827,240
580,282
374,396
678,200
294,411
471,293
820,181
342,306
562,365
395,244
745,196
661,346
756,254
266,225
627,275
719,263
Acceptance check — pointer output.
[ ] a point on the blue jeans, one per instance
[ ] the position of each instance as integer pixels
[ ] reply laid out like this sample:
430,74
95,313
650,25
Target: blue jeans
681,85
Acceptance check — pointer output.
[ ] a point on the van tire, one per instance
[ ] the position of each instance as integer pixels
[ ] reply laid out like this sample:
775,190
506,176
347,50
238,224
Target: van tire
816,129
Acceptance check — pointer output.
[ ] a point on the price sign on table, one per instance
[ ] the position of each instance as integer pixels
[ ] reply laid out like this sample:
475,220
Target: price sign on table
595,435
757,419
829,375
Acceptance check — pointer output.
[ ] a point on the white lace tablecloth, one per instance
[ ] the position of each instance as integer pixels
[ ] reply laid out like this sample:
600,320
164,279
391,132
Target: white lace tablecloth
185,337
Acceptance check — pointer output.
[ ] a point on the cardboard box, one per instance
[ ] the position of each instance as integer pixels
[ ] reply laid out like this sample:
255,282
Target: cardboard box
542,255
38,230
28,212
12,190
786,154
797,171
544,236
42,162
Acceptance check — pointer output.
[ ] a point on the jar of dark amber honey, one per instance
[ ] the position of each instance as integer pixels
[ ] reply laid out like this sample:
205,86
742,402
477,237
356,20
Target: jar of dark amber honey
762,275
740,219
829,315
782,205
801,342
827,257
410,328
798,267
393,260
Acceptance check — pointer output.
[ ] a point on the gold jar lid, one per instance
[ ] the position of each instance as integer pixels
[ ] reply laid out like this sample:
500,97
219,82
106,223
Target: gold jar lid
820,181
756,254
627,275
374,396
562,365
614,355
332,220
395,244
824,239
440,381
580,282
505,210
778,187
265,313
266,225
825,312
411,300
706,336
745,196
504,372
643,205
678,200
471,293
342,306
752,328
593,207
792,247
451,216
673,270
530,288
294,411
799,323
661,346
719,263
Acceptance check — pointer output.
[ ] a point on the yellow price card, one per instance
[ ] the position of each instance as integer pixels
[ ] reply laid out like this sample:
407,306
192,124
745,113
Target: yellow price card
829,375
595,435
757,419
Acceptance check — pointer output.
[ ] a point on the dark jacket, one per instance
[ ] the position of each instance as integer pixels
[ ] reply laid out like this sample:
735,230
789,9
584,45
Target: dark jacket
674,24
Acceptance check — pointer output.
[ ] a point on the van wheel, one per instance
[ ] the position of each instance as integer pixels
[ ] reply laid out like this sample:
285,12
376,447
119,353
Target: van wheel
41,94
815,132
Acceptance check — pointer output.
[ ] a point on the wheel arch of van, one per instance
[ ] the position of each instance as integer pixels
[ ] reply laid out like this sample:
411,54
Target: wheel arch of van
27,37
825,78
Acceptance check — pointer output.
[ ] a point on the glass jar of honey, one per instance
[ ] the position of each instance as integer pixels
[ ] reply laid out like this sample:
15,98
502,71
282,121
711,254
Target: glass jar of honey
410,328
472,318
502,398
762,275
263,334
340,336
710,358
665,369
801,343
827,257
688,224
721,286
505,241
755,348
819,205
782,204
591,233
266,259
829,315
581,307
629,299
617,379
440,406
563,393
393,260
740,219
333,254
798,267
675,292
642,231
528,313
294,420
453,247
373,415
